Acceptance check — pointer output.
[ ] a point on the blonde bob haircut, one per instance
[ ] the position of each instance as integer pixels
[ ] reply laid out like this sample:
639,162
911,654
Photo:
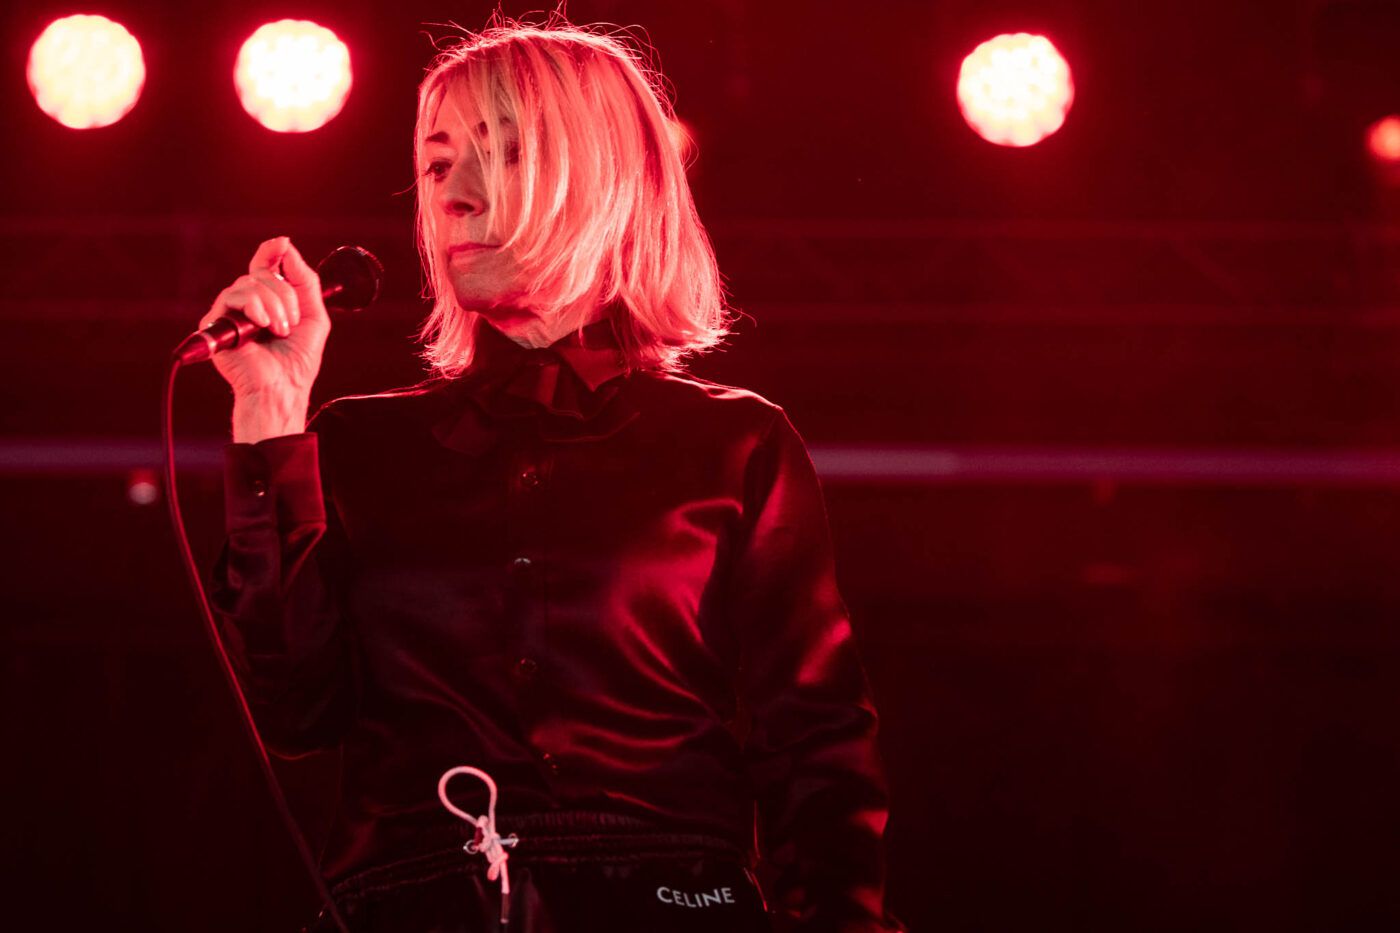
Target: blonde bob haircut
601,212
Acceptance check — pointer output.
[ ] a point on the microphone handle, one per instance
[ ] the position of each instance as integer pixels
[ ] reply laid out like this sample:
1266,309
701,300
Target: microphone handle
227,332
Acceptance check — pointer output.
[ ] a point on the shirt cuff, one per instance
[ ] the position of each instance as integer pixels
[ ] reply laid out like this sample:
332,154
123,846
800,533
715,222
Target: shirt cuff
273,482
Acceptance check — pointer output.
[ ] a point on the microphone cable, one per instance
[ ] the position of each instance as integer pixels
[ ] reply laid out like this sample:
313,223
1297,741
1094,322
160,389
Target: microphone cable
211,628
350,278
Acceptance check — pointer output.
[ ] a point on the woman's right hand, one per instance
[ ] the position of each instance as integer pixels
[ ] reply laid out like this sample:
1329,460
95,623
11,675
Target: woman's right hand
288,304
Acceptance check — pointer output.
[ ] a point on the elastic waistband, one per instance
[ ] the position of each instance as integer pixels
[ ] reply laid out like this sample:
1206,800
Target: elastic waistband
587,836
562,836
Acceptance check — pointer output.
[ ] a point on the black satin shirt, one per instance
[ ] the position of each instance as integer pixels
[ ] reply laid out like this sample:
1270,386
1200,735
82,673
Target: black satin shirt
612,590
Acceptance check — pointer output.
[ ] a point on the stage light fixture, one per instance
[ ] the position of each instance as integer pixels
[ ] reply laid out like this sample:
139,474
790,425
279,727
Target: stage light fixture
293,76
1383,139
86,71
141,487
1015,89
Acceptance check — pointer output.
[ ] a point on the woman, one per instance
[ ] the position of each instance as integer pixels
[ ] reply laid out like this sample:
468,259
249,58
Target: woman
560,559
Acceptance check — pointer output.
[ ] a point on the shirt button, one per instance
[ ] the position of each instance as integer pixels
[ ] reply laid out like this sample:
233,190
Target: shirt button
527,668
259,488
550,763
530,478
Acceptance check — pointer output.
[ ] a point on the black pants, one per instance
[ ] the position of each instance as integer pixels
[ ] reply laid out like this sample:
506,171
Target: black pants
570,873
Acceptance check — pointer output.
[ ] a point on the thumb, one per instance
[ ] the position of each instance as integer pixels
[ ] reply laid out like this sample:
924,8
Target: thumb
269,255
299,274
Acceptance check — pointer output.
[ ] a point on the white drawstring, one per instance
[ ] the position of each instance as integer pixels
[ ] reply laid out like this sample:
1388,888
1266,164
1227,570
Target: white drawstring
488,842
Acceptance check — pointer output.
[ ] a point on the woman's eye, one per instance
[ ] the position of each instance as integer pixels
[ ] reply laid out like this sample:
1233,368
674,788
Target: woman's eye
436,170
512,153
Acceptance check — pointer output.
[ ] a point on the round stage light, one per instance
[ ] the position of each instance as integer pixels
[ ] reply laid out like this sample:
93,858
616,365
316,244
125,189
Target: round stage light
293,76
1015,89
86,71
1383,139
142,488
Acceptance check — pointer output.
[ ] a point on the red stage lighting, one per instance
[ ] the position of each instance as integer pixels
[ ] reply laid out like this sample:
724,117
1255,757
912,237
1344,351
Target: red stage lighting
1383,139
141,487
1015,90
292,75
86,71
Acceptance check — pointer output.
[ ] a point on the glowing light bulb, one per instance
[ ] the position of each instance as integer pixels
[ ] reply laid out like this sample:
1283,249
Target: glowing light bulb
86,71
1383,139
141,487
1015,89
293,76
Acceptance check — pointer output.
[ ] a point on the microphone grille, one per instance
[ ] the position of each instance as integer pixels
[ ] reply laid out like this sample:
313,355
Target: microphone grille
358,273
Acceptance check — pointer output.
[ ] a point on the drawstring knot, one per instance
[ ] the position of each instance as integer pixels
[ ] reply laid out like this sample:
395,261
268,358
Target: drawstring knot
487,842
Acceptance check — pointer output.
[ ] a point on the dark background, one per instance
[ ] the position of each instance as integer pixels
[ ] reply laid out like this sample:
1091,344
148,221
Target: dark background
1130,611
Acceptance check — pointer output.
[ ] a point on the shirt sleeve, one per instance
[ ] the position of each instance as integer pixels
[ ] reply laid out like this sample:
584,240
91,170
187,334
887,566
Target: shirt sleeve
277,588
811,752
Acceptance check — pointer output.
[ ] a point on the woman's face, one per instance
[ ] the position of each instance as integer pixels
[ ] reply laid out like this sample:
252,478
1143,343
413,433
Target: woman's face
485,277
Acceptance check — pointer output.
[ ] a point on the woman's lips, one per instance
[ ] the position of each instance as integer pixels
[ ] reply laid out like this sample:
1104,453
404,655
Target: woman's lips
468,248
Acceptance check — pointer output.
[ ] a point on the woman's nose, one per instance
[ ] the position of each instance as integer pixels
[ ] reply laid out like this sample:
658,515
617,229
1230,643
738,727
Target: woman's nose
462,196
463,204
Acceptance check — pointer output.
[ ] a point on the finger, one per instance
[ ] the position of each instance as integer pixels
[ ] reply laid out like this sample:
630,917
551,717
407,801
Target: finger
235,298
216,310
299,273
256,306
285,295
268,255
255,310
278,320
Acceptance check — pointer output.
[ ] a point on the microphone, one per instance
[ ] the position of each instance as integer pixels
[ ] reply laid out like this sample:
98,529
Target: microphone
350,279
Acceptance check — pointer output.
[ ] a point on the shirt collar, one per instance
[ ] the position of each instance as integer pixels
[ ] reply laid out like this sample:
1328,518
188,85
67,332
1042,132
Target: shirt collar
567,390
593,354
